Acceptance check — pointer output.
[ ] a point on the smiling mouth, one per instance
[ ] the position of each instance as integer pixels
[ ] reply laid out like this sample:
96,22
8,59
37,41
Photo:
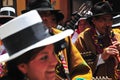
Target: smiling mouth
51,71
51,74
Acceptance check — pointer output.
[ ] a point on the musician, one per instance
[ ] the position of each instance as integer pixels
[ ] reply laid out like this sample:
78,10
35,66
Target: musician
76,65
98,45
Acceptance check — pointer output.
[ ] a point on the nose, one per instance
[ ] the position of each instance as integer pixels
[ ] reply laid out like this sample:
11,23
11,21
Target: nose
53,60
109,23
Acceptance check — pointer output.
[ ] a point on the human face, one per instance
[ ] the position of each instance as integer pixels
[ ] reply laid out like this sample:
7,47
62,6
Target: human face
42,67
103,23
49,19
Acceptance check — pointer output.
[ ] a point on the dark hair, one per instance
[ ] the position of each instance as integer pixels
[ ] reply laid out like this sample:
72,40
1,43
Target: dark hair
59,16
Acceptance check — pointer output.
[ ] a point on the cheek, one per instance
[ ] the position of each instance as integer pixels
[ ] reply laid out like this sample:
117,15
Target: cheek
111,23
100,23
37,71
38,66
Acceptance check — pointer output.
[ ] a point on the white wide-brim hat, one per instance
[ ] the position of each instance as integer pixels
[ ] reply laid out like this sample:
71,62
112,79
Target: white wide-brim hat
27,32
7,12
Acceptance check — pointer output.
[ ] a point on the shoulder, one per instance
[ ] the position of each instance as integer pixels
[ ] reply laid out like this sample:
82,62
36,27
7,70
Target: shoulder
117,36
116,29
55,31
85,33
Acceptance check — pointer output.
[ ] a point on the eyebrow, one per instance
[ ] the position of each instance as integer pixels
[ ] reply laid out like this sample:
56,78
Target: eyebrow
45,52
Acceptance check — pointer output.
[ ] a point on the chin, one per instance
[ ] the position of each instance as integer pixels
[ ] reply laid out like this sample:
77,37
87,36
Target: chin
51,76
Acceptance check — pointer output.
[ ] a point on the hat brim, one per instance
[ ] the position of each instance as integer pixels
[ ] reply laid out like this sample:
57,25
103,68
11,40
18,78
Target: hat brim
116,25
114,13
44,42
116,21
40,9
83,18
4,19
46,9
5,16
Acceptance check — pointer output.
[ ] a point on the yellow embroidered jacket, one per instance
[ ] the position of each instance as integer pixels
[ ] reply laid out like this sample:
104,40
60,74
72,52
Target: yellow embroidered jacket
77,66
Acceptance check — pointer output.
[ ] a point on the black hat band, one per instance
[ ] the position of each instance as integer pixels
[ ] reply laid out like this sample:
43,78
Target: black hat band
25,38
9,13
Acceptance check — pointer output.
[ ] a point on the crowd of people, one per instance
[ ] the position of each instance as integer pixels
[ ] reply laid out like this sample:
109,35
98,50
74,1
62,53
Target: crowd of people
36,45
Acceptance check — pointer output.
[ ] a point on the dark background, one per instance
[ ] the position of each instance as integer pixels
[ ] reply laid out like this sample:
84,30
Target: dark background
114,3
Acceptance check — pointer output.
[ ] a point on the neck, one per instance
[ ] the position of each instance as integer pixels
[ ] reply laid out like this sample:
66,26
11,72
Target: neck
98,33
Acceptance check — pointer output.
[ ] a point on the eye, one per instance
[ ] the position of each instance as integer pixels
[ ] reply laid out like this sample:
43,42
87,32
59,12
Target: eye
44,57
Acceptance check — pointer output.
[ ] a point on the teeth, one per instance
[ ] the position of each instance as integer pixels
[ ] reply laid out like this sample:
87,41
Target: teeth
51,70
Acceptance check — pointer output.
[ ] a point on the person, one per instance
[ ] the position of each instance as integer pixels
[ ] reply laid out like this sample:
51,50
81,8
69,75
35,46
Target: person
82,25
98,45
56,15
6,14
76,65
33,55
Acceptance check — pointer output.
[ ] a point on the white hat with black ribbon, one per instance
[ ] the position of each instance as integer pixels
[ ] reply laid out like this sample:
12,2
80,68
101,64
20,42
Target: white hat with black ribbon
27,32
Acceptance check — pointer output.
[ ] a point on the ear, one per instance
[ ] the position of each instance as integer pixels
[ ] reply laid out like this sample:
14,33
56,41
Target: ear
23,68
